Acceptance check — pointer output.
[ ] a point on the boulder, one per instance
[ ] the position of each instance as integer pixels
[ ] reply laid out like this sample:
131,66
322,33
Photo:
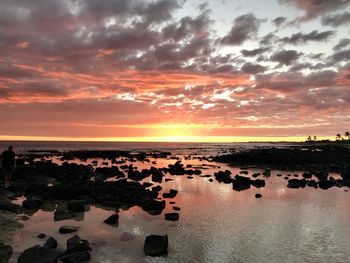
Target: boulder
60,215
50,243
223,176
172,193
172,216
241,183
68,229
76,205
156,245
76,244
326,184
38,254
258,183
77,257
5,253
32,203
112,220
296,183
154,207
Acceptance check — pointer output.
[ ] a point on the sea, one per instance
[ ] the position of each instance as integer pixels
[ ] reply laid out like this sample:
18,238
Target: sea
216,224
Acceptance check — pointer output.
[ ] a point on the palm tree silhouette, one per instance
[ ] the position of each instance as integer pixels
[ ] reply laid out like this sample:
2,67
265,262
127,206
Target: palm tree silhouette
338,137
347,134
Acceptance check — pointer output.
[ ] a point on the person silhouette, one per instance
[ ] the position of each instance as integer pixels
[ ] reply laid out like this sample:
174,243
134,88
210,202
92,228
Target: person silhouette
7,165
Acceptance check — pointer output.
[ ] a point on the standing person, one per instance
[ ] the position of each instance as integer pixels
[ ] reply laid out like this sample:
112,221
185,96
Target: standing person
7,165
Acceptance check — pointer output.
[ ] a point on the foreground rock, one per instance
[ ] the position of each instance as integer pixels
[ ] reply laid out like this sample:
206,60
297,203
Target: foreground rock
112,220
60,215
38,254
50,243
68,229
172,216
78,250
156,245
5,253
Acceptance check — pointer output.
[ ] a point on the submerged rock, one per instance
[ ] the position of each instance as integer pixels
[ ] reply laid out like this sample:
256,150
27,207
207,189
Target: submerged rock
156,245
154,207
68,229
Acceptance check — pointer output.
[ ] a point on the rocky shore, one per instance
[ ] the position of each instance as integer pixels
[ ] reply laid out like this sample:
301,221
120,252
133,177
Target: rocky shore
111,180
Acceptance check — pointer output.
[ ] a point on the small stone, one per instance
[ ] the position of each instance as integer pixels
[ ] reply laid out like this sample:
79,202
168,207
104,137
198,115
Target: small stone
68,229
172,216
50,243
41,236
126,236
60,215
258,195
176,208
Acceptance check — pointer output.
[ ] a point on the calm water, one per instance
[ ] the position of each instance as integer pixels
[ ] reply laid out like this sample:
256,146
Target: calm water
216,223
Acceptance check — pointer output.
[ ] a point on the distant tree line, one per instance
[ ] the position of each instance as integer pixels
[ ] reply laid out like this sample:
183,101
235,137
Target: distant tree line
338,137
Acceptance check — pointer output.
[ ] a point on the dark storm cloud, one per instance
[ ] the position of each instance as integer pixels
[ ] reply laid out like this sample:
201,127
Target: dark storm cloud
345,42
245,27
251,68
301,38
253,52
278,21
285,57
187,27
336,19
343,55
315,8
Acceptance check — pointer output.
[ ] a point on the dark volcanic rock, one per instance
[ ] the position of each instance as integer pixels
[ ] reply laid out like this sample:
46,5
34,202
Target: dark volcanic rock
156,245
5,253
326,184
112,220
223,176
78,250
258,195
241,183
50,243
8,206
41,236
68,229
172,216
60,215
154,207
176,208
258,183
32,203
312,183
76,205
76,257
172,193
296,183
38,254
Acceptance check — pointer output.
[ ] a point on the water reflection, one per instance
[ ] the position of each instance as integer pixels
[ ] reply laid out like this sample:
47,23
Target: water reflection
216,224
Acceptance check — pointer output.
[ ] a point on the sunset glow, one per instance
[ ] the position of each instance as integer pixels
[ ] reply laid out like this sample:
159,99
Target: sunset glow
173,70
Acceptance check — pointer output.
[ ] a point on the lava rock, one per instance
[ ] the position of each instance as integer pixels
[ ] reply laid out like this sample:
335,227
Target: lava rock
50,243
32,204
112,220
76,205
76,244
154,207
223,176
41,236
38,254
258,183
258,195
68,229
5,253
326,184
296,183
172,216
156,245
172,193
60,215
176,208
77,257
8,206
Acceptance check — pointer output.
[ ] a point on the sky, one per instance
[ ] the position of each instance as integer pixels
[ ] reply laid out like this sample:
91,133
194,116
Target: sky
174,70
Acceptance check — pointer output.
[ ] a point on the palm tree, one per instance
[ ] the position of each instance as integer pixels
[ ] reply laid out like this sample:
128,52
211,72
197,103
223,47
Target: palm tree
309,139
338,137
347,134
315,138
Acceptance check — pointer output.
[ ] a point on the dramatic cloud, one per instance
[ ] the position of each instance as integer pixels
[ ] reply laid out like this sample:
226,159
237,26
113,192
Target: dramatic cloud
315,8
300,38
285,57
123,68
336,19
345,42
245,27
253,52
